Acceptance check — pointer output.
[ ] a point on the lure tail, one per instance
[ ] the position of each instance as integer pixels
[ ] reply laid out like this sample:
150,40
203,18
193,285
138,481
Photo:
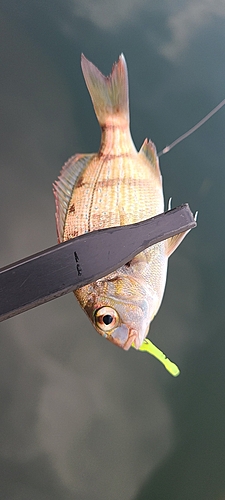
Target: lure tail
149,347
109,94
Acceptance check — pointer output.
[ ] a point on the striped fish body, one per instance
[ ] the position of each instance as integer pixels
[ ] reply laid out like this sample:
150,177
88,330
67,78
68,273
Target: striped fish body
114,187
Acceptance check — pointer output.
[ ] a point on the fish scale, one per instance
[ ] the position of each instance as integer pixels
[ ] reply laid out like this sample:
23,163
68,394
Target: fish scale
118,193
116,186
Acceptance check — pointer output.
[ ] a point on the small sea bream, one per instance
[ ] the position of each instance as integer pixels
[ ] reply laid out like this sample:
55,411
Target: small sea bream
116,186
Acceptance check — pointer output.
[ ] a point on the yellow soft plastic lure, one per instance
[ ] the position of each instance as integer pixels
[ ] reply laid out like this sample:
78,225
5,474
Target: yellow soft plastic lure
149,347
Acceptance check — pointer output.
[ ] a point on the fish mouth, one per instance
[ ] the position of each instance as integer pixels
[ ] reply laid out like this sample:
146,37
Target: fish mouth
124,337
131,340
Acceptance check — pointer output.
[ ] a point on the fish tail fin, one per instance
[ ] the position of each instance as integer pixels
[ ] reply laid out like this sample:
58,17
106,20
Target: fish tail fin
109,94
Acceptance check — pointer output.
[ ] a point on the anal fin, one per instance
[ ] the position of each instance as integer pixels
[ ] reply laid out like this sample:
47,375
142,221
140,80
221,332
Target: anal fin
148,149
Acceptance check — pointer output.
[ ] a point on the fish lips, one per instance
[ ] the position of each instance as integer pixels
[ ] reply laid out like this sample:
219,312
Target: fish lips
125,337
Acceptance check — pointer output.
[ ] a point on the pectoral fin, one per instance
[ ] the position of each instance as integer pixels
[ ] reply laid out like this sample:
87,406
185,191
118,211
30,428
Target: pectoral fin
174,242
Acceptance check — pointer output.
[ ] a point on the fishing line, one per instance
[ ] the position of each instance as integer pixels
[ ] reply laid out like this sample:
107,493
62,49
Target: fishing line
193,129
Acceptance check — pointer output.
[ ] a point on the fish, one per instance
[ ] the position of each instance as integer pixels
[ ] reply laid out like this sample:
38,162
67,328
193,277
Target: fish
116,186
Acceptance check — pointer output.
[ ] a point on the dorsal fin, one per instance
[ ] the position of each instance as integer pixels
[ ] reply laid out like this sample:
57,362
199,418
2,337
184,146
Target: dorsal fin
148,149
109,94
63,188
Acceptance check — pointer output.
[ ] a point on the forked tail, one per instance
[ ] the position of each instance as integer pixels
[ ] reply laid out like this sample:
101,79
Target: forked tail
109,94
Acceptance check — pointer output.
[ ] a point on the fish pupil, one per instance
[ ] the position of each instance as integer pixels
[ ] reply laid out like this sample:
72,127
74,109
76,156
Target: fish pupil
107,319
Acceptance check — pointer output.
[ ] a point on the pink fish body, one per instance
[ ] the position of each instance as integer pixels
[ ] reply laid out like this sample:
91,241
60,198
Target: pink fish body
116,186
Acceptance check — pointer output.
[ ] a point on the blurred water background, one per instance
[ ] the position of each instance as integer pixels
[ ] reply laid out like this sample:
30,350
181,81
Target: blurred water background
80,418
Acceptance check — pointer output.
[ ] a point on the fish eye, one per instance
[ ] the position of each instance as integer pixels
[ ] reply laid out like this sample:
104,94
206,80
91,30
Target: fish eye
106,318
